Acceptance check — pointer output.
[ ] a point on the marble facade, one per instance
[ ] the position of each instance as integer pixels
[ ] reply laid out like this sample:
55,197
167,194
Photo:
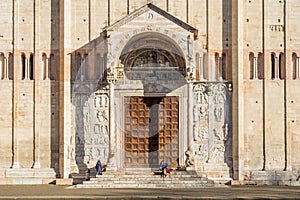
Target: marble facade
226,67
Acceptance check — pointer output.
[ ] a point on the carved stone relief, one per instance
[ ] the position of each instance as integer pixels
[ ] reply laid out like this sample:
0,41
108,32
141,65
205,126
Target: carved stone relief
211,118
200,113
92,128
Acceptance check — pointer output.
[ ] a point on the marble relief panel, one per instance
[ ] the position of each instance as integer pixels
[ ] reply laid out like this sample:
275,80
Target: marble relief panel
211,121
92,128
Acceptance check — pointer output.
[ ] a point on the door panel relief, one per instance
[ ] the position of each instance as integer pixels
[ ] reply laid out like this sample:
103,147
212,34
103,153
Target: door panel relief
151,131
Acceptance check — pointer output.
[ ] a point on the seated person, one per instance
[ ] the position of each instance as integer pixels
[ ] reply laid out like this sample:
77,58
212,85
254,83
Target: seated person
163,165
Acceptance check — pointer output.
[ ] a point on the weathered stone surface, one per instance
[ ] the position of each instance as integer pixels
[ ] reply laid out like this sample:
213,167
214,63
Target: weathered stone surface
66,68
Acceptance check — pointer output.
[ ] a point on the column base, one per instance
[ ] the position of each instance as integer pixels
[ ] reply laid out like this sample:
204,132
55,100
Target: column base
36,165
15,165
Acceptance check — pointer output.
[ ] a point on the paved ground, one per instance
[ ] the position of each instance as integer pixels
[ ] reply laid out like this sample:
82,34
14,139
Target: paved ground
65,192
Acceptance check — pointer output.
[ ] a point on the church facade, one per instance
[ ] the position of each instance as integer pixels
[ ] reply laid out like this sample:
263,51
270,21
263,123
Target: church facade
208,86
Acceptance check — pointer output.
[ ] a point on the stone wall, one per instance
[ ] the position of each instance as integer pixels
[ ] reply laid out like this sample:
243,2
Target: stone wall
258,41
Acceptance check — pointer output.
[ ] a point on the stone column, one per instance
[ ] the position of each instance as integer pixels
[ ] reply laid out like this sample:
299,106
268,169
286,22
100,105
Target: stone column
288,144
26,69
190,137
255,68
276,68
5,76
4,68
112,135
15,102
36,162
201,60
111,79
190,113
47,68
37,117
1,68
297,68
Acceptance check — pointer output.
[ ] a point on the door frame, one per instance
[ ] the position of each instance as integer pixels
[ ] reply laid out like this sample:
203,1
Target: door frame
121,93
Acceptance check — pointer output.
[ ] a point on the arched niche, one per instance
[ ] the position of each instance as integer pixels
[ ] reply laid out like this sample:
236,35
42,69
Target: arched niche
152,49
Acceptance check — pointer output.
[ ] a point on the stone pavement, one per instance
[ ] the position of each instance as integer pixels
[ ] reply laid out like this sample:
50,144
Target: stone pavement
230,192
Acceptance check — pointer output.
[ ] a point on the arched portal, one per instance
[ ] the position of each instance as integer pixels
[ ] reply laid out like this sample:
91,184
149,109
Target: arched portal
151,102
152,50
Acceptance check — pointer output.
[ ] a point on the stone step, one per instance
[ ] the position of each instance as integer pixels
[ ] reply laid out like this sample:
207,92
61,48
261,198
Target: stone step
147,185
147,180
149,175
144,177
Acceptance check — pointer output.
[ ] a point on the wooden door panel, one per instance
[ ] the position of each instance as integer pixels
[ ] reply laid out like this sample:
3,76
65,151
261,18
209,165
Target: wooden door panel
151,130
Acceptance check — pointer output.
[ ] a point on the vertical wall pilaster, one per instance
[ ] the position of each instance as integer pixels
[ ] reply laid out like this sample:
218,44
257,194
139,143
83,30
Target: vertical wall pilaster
16,108
15,99
238,88
37,117
65,8
288,77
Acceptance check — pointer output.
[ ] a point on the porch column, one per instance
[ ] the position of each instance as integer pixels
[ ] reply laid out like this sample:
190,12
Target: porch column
188,140
190,113
112,135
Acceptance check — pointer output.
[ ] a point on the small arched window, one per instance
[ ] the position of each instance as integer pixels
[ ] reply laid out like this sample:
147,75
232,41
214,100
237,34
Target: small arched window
23,63
204,67
10,66
251,65
45,67
217,67
31,67
224,67
281,68
273,66
295,61
2,66
86,67
260,66
198,69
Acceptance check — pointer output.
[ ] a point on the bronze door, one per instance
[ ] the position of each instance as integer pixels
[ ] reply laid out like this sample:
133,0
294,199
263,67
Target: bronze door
151,131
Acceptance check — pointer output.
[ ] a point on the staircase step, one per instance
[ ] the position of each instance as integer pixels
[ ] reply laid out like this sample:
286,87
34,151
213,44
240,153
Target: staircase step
147,180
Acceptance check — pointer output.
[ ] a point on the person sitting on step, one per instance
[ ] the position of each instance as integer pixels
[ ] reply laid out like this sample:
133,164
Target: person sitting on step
164,168
98,168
